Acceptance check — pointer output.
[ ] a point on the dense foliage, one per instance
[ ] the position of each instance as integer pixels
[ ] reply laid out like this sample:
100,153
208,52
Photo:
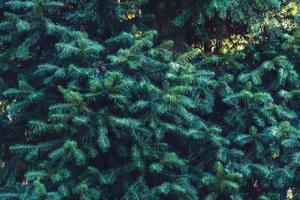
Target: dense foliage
147,100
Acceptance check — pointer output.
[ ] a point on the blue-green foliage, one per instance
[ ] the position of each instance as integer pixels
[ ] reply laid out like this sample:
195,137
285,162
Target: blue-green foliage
93,109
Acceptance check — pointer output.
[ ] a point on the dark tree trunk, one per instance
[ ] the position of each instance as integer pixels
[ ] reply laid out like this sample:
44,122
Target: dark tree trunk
208,46
283,194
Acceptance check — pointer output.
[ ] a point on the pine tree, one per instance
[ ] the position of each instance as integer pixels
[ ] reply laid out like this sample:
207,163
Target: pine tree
96,105
96,120
258,88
